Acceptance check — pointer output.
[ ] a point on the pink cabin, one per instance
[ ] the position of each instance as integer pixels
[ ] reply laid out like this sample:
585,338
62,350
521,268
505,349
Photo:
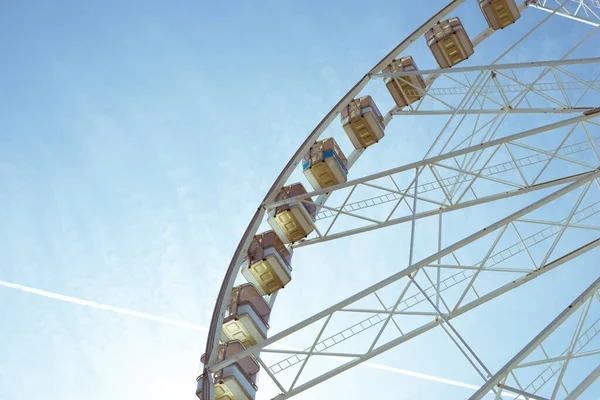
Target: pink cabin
405,90
449,42
362,122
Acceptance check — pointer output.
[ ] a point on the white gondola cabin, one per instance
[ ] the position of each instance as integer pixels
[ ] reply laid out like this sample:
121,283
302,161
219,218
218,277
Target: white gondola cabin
500,13
405,90
293,221
236,381
325,164
268,263
362,122
449,42
248,319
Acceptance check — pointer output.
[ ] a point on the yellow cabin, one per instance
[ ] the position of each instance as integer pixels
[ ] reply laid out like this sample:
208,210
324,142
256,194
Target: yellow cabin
405,90
500,13
449,42
293,221
325,164
268,264
362,122
248,319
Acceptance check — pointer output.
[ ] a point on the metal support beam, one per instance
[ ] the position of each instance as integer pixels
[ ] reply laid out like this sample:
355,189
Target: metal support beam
585,14
493,67
434,159
425,262
584,384
493,111
584,297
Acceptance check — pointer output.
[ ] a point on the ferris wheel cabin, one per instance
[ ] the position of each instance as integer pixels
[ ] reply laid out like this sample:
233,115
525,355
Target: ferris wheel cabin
500,13
293,221
248,319
407,89
449,42
363,122
268,263
236,381
325,164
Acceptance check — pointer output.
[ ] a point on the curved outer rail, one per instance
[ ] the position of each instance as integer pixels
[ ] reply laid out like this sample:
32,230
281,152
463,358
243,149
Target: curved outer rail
234,266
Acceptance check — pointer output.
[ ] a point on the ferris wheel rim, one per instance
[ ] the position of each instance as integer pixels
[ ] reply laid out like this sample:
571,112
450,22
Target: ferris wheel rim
294,161
234,267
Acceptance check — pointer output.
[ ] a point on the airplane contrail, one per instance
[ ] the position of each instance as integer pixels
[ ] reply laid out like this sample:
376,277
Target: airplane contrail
100,306
182,324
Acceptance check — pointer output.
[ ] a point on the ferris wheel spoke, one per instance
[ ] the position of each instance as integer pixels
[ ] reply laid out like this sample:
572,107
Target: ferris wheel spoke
500,286
431,325
585,11
521,111
491,262
556,365
588,115
435,211
455,337
576,85
527,88
448,193
562,89
502,76
488,173
518,99
471,162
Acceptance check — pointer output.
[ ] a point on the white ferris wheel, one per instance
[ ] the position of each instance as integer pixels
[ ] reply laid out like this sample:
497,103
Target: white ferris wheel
507,190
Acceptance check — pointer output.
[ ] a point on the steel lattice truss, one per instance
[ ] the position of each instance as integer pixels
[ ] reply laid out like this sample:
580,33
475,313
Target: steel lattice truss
586,11
453,179
550,367
443,291
522,132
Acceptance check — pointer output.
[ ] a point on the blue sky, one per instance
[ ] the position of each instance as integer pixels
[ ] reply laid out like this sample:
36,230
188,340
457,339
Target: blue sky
137,139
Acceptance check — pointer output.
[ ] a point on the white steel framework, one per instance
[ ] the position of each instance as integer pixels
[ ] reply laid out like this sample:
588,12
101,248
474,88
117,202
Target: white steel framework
580,337
511,131
419,275
585,11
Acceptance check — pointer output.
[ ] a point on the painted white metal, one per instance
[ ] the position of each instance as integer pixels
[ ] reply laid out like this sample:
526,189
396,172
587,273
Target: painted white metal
434,159
494,111
584,299
328,212
553,90
521,189
491,68
433,324
234,266
433,212
465,272
473,92
458,340
584,11
583,385
586,178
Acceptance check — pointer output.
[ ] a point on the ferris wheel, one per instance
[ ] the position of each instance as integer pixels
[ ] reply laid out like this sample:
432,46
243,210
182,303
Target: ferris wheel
515,137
